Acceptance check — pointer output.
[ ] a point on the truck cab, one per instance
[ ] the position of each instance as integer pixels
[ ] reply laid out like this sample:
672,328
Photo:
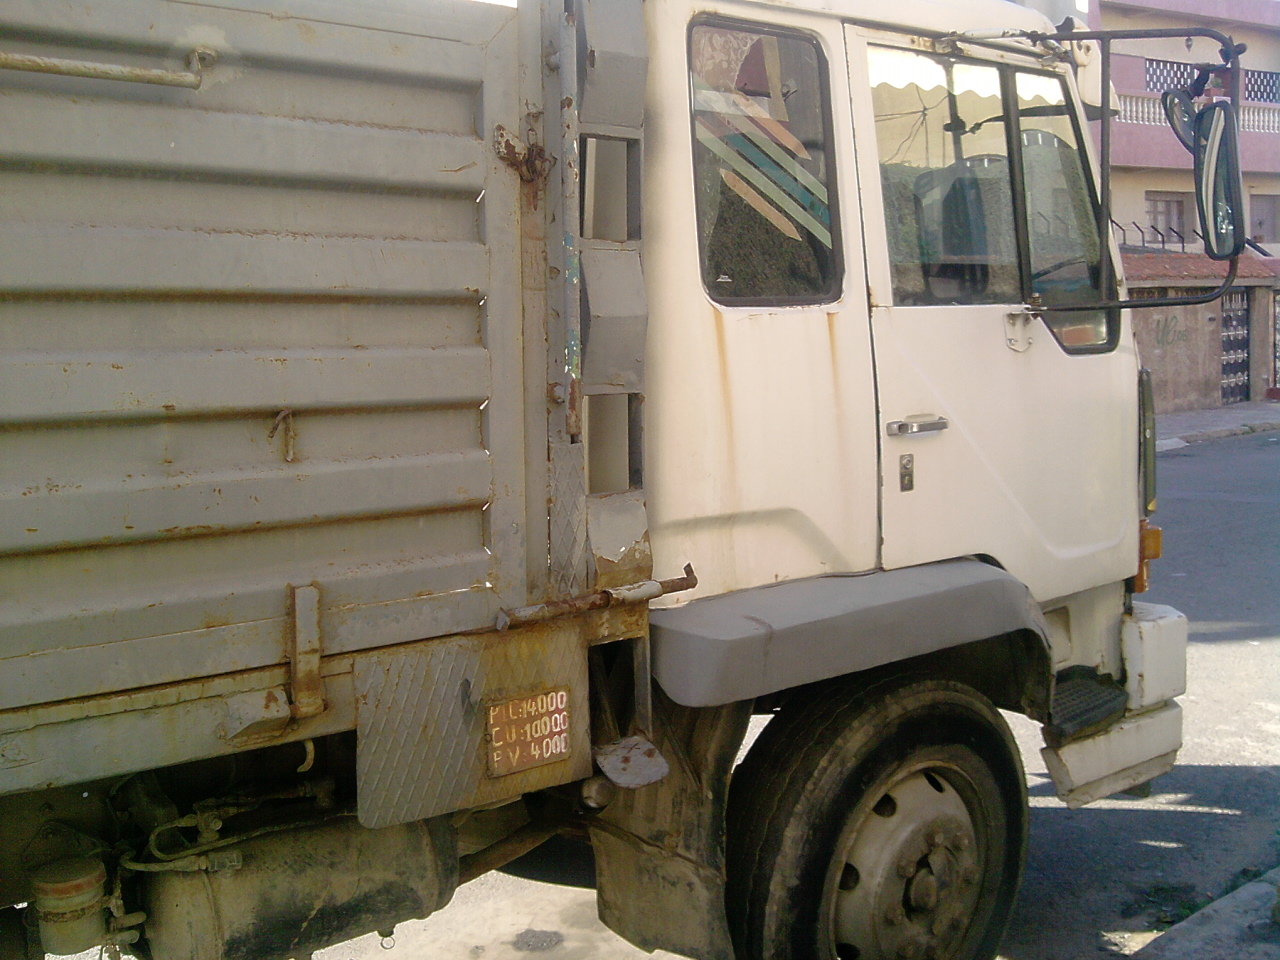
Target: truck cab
429,428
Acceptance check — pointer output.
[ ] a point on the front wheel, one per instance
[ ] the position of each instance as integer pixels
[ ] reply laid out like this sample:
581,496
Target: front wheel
885,825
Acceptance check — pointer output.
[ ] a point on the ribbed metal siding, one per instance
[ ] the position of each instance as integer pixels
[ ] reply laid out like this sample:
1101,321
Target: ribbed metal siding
321,228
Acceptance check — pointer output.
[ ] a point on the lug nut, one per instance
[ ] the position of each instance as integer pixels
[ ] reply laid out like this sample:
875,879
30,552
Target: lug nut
906,867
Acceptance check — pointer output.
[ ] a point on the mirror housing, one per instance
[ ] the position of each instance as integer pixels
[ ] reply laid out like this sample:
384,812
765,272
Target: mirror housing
1219,193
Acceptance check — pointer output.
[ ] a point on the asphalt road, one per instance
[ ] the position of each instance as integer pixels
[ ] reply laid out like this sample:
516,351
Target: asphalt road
1102,881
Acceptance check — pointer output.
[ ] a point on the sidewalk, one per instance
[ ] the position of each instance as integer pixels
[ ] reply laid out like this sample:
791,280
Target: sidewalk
1175,430
1240,926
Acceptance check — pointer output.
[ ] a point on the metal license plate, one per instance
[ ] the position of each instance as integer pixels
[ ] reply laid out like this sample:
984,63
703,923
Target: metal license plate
528,731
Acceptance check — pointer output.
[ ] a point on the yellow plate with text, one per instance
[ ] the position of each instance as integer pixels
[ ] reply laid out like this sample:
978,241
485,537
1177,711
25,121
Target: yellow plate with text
527,731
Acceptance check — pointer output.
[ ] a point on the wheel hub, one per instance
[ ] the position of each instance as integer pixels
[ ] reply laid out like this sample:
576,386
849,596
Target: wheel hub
917,875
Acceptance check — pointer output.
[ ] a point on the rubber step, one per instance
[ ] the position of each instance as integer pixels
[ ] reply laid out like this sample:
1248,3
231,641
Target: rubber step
1083,701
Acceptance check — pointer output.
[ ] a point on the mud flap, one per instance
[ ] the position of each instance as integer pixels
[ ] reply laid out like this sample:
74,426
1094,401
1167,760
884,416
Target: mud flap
660,870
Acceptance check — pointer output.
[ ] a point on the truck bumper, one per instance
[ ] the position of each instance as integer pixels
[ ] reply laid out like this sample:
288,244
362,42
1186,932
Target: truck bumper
1145,742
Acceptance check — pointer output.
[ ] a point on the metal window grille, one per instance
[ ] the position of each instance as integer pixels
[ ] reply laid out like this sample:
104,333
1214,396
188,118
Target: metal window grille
1166,74
1262,86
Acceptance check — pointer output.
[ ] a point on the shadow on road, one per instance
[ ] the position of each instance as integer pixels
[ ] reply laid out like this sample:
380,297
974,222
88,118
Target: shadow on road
1204,830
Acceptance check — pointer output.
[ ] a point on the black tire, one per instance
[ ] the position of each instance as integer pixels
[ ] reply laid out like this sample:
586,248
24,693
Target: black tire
890,822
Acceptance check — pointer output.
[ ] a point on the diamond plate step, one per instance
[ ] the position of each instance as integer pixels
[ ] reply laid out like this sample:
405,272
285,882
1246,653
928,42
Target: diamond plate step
1084,699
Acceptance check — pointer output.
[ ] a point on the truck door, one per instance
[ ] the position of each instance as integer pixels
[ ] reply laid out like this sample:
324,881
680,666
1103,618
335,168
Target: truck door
759,414
1004,431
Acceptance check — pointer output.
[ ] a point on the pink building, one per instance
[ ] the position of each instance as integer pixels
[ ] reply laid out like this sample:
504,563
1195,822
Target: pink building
1226,352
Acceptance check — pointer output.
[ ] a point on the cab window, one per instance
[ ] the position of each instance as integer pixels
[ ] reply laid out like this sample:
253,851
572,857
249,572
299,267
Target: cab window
986,194
767,230
944,172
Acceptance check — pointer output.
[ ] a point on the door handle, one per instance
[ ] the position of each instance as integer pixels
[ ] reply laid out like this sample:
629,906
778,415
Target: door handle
905,428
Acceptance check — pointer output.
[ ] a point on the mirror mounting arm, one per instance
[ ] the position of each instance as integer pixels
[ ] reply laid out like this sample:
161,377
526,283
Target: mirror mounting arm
1232,267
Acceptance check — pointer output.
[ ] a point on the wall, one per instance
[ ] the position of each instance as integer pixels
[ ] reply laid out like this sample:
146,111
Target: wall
1182,346
1262,349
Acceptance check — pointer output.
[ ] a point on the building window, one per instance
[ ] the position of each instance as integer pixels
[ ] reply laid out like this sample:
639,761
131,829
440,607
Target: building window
1264,218
1167,216
764,186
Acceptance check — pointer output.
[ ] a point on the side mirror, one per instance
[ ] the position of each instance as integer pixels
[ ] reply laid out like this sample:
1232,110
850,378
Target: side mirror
1219,195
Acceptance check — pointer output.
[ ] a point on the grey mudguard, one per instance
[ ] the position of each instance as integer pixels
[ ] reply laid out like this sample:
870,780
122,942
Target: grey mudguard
752,642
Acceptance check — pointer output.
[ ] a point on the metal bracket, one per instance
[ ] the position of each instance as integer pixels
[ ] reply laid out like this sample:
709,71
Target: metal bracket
1017,336
306,686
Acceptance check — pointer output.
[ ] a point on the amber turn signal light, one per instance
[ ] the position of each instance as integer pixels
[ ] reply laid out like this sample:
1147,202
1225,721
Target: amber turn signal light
1150,547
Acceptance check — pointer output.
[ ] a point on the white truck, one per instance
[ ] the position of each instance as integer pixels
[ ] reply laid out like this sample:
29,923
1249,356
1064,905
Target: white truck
431,426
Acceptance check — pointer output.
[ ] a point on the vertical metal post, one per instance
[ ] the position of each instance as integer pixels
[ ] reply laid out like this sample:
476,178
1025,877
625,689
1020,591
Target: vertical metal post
570,207
642,720
1106,282
1013,141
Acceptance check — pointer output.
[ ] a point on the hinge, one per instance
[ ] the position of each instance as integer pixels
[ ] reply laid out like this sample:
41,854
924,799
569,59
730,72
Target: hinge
306,686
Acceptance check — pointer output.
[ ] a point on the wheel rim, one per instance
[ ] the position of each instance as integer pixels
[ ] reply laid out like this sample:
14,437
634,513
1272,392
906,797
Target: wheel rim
908,877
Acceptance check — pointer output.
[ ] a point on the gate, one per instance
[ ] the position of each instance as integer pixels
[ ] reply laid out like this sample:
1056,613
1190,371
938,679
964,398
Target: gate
1235,346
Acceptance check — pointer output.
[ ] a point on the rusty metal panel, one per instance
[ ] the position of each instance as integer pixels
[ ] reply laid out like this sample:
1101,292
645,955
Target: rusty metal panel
259,333
427,706
185,724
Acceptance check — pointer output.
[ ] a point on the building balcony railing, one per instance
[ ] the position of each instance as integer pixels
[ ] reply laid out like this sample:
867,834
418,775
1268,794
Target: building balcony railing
1254,117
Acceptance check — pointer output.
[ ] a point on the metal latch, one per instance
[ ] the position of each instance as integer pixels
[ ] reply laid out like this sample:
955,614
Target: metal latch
530,160
306,686
631,593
